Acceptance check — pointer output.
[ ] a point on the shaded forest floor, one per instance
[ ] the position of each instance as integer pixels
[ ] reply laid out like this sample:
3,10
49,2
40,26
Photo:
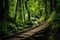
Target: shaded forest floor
43,32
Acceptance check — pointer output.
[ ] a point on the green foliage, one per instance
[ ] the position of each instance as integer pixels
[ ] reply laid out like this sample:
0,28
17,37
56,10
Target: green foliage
32,5
12,8
24,14
52,16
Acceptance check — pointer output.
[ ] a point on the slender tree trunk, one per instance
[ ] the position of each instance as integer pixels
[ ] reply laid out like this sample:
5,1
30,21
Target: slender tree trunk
53,4
40,12
27,9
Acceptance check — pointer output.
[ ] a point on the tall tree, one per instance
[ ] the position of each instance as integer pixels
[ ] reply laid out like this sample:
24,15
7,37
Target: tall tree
27,9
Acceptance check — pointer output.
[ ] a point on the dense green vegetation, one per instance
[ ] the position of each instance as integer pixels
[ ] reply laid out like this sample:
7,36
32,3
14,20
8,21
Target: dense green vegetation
55,35
18,15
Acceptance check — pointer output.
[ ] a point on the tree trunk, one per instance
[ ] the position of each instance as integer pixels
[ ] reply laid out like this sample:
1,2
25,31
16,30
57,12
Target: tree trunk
27,10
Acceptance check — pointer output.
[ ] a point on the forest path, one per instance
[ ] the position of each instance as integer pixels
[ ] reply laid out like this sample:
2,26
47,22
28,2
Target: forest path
29,33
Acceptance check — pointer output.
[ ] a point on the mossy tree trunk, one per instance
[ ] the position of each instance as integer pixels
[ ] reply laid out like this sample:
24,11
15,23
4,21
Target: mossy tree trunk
3,15
27,10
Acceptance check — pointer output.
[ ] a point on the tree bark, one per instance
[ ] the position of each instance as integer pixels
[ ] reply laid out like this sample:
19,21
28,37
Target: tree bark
27,10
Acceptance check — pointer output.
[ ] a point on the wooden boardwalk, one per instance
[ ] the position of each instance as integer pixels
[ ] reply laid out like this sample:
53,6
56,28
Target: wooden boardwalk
29,33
